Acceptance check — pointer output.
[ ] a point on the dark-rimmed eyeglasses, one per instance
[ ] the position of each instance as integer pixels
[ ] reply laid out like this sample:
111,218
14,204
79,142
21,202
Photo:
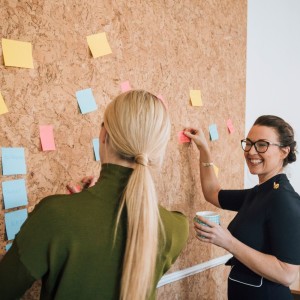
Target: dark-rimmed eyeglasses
260,146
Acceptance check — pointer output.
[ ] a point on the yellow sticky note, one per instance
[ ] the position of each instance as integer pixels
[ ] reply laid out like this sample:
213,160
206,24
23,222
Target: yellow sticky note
98,44
195,96
17,54
216,169
3,108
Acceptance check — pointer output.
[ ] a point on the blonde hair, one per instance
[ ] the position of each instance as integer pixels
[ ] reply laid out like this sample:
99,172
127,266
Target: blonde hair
139,128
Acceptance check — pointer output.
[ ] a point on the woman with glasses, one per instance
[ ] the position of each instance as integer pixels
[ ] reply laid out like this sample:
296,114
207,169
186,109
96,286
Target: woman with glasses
264,236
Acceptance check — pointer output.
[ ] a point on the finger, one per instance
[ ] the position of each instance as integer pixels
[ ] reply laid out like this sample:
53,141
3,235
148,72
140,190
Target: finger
88,181
203,228
73,188
206,221
93,181
202,238
190,132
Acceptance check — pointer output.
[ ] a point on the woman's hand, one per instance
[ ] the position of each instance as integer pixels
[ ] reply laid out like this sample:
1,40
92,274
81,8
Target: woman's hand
197,136
86,182
213,233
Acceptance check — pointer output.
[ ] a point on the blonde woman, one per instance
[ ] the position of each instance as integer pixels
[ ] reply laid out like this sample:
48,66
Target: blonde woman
112,240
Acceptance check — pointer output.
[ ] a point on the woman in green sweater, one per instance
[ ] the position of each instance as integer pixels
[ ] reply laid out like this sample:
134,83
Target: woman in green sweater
112,240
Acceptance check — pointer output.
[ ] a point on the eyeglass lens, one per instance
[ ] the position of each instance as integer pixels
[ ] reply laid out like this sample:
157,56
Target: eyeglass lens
260,146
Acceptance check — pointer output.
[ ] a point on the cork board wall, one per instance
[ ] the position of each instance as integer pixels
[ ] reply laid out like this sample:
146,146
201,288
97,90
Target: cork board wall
166,47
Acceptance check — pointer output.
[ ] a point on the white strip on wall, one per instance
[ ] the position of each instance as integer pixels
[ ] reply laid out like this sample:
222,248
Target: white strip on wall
193,270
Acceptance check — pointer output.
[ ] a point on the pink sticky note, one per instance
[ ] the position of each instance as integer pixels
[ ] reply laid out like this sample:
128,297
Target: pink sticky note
125,86
47,138
230,126
160,97
182,138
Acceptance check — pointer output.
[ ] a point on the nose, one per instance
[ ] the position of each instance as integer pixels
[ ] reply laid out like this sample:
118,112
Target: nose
253,150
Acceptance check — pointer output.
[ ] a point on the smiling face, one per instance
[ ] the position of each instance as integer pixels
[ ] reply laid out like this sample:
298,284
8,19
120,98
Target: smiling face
268,164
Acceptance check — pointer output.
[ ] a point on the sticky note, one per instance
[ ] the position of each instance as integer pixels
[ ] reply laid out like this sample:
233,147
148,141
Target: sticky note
13,161
216,169
195,96
182,138
14,193
17,54
98,44
96,148
86,101
161,98
230,126
7,246
125,86
213,132
13,222
3,107
47,138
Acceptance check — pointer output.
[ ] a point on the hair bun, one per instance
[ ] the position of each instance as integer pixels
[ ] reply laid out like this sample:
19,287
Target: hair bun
292,157
142,159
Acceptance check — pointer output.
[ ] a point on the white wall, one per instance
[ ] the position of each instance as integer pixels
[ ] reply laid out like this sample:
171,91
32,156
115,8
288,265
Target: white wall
273,69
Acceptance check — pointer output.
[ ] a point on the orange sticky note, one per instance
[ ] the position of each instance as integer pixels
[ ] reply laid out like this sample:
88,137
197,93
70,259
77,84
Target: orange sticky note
3,107
182,138
125,86
98,44
47,138
230,126
17,54
195,96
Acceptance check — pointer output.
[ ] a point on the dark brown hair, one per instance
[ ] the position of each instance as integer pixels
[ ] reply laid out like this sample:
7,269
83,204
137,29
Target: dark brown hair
285,133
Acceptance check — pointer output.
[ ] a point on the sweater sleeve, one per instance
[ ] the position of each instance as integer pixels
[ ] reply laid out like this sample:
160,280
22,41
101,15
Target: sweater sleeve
177,232
181,235
15,279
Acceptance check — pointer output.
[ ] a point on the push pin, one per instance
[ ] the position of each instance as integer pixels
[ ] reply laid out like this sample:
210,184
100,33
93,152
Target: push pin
275,186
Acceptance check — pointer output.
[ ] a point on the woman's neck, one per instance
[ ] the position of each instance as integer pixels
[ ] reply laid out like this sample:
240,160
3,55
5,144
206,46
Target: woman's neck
265,177
118,161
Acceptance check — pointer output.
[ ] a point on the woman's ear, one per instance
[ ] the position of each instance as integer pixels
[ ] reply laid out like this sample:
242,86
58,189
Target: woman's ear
285,151
103,135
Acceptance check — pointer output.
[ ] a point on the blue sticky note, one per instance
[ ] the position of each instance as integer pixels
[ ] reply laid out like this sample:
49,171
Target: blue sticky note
96,148
14,193
213,131
7,246
13,161
14,221
86,101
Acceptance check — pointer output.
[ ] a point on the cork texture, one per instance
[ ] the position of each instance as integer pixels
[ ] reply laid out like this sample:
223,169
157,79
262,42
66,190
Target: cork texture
166,47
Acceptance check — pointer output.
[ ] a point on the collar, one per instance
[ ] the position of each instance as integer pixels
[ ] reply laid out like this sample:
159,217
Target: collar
113,178
117,172
273,183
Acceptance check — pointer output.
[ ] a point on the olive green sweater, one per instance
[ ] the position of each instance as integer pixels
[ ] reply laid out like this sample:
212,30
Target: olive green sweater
67,241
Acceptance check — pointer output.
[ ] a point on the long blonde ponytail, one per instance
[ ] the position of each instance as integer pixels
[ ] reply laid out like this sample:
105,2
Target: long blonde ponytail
139,128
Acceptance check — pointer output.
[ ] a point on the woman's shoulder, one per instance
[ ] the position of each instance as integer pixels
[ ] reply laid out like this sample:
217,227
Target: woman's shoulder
283,200
176,229
49,202
51,209
175,222
172,215
284,192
